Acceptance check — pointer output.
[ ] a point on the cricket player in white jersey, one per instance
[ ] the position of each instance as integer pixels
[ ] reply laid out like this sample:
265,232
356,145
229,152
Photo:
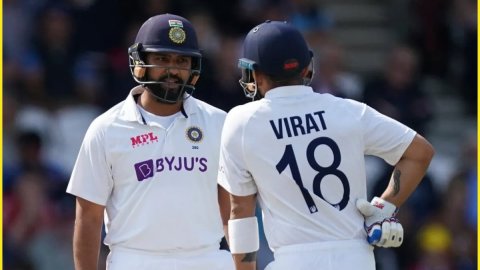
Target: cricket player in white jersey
150,164
302,155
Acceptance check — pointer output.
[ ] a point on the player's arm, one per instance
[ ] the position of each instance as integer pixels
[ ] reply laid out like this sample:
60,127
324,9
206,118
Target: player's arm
243,232
382,228
409,171
87,234
224,203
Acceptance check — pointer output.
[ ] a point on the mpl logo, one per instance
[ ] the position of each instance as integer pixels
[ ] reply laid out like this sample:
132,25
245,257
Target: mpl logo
143,139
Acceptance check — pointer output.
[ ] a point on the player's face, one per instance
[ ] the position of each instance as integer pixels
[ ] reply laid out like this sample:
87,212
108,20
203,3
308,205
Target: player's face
173,69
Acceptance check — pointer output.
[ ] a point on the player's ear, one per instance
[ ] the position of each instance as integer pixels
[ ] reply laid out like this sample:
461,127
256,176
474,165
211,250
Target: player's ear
255,74
194,79
304,71
307,73
258,77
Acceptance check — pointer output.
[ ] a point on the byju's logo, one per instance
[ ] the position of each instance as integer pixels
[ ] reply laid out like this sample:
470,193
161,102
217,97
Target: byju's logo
143,139
144,169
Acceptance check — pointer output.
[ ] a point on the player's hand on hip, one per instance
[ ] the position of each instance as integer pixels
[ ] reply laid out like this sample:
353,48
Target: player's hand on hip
382,228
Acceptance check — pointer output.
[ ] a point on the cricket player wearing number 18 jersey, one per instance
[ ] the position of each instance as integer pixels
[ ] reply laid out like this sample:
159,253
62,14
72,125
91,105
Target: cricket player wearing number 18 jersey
151,163
302,154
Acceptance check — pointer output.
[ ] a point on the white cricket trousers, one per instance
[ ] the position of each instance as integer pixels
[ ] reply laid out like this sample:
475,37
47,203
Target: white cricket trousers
210,258
332,255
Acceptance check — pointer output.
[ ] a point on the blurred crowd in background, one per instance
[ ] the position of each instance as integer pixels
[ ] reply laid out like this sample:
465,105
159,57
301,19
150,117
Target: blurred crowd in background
65,62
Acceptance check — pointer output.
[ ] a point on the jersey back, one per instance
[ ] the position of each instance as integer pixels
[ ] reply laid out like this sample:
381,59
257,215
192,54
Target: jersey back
303,153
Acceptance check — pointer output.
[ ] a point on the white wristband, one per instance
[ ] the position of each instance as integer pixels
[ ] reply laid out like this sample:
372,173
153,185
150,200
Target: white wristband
243,235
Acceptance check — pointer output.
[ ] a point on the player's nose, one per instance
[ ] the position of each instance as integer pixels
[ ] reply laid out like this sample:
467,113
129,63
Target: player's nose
172,70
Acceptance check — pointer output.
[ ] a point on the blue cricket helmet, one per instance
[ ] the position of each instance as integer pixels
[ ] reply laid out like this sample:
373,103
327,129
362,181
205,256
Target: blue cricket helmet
168,33
276,48
165,33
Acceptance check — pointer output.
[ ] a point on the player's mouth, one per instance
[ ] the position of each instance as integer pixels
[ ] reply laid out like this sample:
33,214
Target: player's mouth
171,81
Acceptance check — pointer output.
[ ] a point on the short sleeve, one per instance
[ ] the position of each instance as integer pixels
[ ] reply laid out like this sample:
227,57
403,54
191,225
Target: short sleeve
233,174
91,177
385,137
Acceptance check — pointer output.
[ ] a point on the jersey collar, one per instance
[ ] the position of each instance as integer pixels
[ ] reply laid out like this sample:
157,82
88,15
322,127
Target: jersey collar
130,112
288,91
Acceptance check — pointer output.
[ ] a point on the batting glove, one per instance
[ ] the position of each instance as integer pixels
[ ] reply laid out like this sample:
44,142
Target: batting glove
382,228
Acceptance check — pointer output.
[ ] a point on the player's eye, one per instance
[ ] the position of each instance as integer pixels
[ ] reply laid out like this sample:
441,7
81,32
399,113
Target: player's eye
163,59
183,61
159,59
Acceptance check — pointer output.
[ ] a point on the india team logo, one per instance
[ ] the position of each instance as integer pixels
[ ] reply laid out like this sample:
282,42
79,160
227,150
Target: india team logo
177,35
194,134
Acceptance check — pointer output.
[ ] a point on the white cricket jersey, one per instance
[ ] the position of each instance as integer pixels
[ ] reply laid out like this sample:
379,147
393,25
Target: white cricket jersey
303,152
158,185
